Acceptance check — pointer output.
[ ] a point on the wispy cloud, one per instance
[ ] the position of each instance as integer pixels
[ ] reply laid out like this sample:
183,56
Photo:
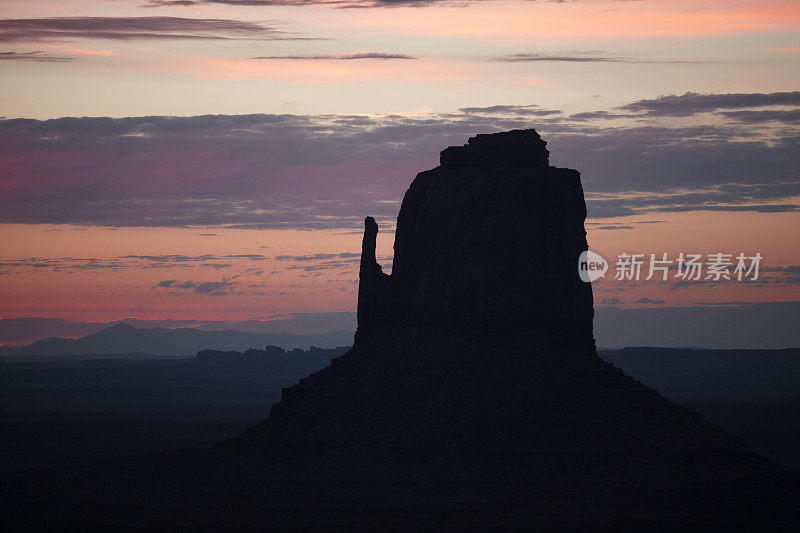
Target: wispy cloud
207,288
136,262
580,57
791,116
646,300
36,55
251,257
342,57
137,28
614,227
171,258
762,197
533,110
316,257
692,103
595,115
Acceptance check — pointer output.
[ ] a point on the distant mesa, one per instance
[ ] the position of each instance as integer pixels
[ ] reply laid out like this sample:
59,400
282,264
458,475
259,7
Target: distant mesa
179,342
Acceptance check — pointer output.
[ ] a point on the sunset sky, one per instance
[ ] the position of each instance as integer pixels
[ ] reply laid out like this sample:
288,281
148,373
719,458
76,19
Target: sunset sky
215,159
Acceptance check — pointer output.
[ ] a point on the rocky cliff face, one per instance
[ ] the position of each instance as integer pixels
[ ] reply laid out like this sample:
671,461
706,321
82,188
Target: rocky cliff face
487,242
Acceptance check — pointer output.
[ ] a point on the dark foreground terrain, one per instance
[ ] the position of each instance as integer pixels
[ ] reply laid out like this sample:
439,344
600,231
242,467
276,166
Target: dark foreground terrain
95,409
754,394
60,412
277,488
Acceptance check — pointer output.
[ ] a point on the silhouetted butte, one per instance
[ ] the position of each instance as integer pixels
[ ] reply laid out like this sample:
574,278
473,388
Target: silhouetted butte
473,395
480,340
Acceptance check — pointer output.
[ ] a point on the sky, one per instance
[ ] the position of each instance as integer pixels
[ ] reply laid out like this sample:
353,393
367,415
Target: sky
215,159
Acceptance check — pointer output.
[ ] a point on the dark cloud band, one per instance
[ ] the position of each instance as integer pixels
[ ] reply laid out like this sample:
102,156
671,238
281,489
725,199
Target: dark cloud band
329,171
581,57
37,55
693,103
339,57
136,28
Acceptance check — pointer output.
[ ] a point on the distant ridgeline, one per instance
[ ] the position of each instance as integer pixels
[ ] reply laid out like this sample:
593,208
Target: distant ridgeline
274,356
184,342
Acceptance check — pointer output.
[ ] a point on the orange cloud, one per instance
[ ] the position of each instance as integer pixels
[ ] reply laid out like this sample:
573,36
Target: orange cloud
86,52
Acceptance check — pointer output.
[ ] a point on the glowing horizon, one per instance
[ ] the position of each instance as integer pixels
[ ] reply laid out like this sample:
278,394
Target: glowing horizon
259,137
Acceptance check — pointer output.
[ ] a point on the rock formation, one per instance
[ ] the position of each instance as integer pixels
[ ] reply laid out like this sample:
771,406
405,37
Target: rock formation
473,397
481,340
488,241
